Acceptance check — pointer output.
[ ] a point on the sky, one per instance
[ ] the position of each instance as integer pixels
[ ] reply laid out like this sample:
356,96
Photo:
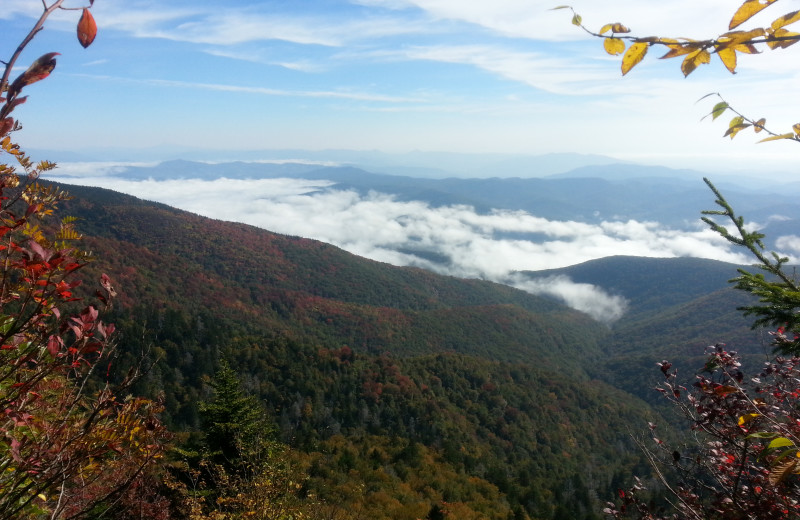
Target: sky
184,78
509,76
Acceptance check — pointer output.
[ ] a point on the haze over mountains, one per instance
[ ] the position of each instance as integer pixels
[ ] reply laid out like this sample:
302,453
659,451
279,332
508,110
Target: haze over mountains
535,213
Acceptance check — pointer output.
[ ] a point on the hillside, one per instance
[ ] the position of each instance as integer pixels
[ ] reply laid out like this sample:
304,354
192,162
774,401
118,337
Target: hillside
313,290
676,308
651,285
360,362
414,386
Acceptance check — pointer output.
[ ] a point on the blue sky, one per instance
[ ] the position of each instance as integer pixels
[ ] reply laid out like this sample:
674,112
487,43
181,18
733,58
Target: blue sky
395,75
183,78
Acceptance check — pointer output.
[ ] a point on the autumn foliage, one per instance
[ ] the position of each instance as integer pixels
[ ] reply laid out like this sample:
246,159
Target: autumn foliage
742,457
727,47
70,441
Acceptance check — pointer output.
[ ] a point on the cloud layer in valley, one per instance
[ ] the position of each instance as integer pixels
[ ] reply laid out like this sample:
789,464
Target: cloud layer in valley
454,240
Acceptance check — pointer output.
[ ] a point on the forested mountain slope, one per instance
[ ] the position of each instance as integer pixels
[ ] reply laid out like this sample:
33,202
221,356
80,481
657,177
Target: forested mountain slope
677,307
307,289
415,387
399,388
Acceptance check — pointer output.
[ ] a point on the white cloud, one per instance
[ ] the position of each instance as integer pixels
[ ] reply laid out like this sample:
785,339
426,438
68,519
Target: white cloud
790,243
13,8
452,240
228,25
580,296
535,19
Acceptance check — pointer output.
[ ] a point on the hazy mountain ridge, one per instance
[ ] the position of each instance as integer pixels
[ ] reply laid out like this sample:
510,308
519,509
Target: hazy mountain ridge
590,193
650,285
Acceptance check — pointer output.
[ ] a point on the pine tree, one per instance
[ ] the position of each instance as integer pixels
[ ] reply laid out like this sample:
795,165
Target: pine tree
235,425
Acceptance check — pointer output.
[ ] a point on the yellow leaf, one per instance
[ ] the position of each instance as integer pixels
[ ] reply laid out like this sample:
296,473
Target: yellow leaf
747,418
796,128
759,126
782,43
747,10
614,46
679,49
785,20
619,28
604,29
777,137
576,19
746,48
633,56
738,120
742,36
728,57
692,60
734,127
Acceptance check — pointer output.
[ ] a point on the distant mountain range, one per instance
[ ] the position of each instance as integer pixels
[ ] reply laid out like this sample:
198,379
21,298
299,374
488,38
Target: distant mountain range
413,164
586,194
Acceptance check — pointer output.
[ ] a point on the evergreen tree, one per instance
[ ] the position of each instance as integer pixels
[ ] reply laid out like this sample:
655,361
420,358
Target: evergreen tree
235,426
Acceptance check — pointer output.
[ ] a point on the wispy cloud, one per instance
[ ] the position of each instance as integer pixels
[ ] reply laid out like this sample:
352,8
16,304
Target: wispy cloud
303,65
536,20
231,25
14,8
343,94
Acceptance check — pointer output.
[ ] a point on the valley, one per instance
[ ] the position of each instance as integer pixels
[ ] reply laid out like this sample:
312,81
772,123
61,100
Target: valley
398,386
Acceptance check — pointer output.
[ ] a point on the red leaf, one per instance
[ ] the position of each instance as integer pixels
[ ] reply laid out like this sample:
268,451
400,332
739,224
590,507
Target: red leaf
87,29
15,446
6,125
39,69
105,281
54,344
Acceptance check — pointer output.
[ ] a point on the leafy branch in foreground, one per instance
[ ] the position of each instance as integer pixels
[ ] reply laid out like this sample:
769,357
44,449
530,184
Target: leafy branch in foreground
778,292
698,52
41,67
742,459
617,41
72,444
740,122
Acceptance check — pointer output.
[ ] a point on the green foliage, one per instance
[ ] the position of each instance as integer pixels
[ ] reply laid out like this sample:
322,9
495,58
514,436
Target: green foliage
234,425
778,292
